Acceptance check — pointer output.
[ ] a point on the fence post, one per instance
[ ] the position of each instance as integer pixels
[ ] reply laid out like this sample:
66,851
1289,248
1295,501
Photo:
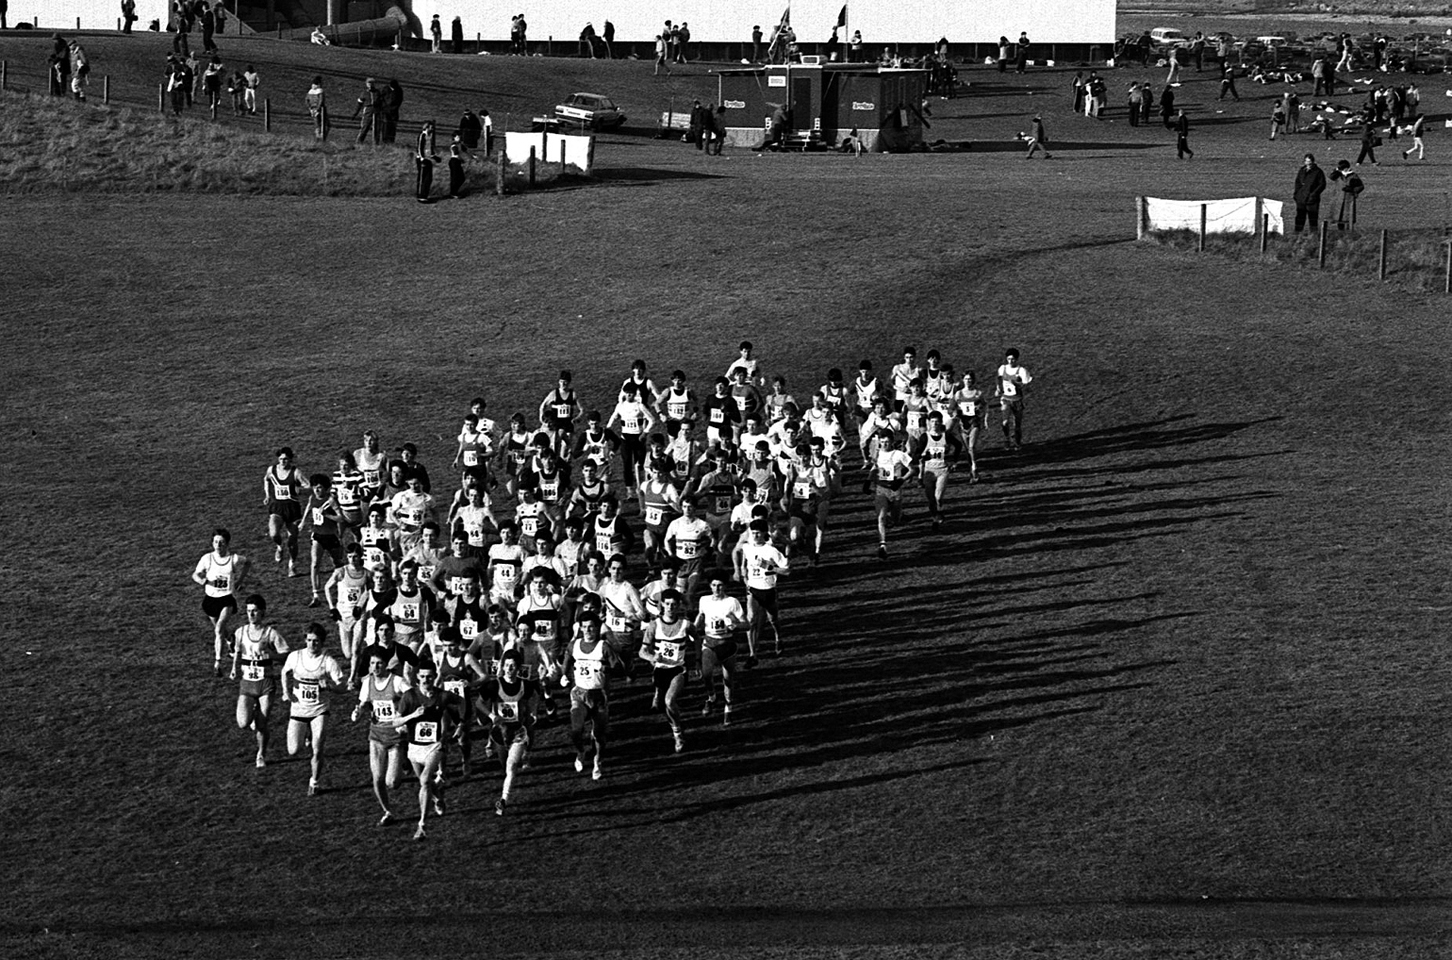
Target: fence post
1447,277
78,23
1381,259
161,97
433,131
326,122
1321,248
1140,209
106,89
1202,228
4,74
267,114
531,174
503,167
1264,230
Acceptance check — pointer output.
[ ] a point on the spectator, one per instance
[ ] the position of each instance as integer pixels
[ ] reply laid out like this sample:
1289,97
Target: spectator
488,123
717,120
80,70
1174,78
523,36
1418,127
683,40
661,49
425,160
1079,93
673,43
694,130
5,9
177,84
319,38
212,83
587,42
60,65
436,31
1293,112
1369,141
1167,107
1136,103
470,130
237,88
608,33
516,43
128,14
1182,138
457,152
1318,76
249,96
1023,52
209,27
859,53
776,130
370,109
1002,54
1227,82
1278,119
456,35
1197,50
756,43
1351,187
1038,139
1147,102
317,109
392,106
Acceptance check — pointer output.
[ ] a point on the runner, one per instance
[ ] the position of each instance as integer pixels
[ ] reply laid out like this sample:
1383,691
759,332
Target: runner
573,550
473,519
915,410
608,531
780,404
723,417
934,455
220,574
379,541
622,610
412,508
598,443
371,461
460,673
326,518
636,420
717,620
669,647
689,539
902,376
814,482
834,392
430,716
586,659
379,694
561,406
345,592
866,389
746,396
282,487
348,491
510,703
555,571
474,445
410,606
428,553
677,403
256,652
506,563
745,361
893,467
969,407
1012,379
514,452
758,564
660,501
305,674
532,516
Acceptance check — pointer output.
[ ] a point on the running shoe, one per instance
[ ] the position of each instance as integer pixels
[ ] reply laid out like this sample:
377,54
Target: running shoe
580,763
217,669
312,788
680,742
706,707
277,554
261,761
726,716
291,569
751,662
499,807
656,702
882,551
385,820
597,772
777,651
315,602
419,833
438,807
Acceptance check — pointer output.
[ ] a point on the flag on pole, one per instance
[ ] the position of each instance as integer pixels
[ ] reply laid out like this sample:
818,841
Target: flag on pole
777,46
786,19
842,17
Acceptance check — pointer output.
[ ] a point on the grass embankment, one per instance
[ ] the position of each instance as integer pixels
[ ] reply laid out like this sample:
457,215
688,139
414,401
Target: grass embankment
59,146
1416,258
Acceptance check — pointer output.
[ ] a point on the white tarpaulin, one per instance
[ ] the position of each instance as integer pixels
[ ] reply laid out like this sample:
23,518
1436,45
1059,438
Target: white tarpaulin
1221,216
579,151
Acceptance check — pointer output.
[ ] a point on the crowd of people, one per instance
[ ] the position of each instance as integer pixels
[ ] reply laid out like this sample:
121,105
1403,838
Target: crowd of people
574,549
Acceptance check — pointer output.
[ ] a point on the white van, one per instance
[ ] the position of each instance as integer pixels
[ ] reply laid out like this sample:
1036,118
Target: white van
1168,37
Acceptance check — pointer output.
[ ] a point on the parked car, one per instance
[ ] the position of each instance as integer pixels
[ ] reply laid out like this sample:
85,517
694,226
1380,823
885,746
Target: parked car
1168,37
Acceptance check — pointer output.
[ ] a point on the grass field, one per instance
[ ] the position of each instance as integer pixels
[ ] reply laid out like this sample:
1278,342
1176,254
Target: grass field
1170,684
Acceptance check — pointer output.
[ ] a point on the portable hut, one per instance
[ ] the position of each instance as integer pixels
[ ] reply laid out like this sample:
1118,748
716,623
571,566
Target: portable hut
825,102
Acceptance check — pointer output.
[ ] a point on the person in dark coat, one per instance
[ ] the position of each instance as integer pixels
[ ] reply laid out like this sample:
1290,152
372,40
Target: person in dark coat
1167,107
1351,187
471,128
1368,143
456,35
392,104
425,161
457,152
1182,137
1310,184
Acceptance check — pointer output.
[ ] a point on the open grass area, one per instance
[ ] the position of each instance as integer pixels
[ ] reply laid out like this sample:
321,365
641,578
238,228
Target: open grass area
1170,683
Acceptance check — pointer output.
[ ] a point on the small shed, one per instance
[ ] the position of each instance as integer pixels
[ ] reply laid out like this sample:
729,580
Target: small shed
825,102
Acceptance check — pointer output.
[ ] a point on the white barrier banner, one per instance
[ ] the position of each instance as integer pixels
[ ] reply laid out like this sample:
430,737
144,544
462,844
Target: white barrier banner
579,151
1221,216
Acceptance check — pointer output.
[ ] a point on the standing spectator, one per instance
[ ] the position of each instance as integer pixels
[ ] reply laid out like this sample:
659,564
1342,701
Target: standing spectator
1227,81
236,88
209,27
1098,95
5,9
1167,107
1330,79
1278,119
370,108
1351,187
212,84
317,109
1368,143
219,13
181,42
1310,184
488,123
425,160
254,80
1318,75
1077,85
176,84
1147,102
661,44
1038,139
516,45
80,70
1136,103
1418,128
456,35
756,43
693,128
470,130
683,42
1174,78
436,30
1293,112
1347,48
1182,137
858,54
1023,52
60,65
194,78
1222,53
587,42
1197,50
1002,54
608,33
128,14
392,105
457,151
718,130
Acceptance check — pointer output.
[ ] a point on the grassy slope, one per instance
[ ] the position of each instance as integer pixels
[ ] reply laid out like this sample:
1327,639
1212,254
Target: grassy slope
1183,650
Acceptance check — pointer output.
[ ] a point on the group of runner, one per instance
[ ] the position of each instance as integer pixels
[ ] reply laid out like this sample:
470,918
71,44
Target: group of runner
456,616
